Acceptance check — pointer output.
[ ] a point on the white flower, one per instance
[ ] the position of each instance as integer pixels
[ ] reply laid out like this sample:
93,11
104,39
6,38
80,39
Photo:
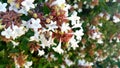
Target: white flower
117,40
46,0
65,27
58,2
15,43
68,62
52,26
46,42
7,33
26,24
119,57
85,2
17,66
100,41
87,6
108,17
114,1
35,24
41,52
66,9
80,10
18,31
23,11
13,7
91,6
79,34
101,14
81,62
100,24
96,35
35,37
83,47
58,49
100,58
116,19
62,66
73,43
107,0
74,18
84,63
17,9
75,6
28,4
14,33
77,25
3,7
28,64
53,56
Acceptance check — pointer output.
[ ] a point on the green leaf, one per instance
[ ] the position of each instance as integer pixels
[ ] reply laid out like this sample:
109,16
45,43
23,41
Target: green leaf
40,65
46,10
23,45
2,53
14,50
40,1
4,1
2,45
26,18
29,33
10,45
2,65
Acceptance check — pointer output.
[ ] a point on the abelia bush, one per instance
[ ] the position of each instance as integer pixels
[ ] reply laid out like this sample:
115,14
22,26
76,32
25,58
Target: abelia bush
59,33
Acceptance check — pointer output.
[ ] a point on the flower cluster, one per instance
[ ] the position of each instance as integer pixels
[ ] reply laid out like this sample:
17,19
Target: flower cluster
59,33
